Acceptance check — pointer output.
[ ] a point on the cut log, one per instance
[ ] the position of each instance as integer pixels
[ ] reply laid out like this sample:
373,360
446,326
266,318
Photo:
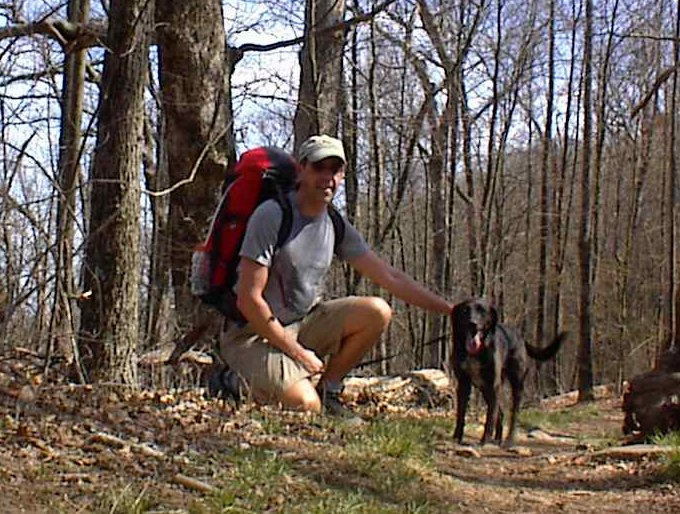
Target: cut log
429,387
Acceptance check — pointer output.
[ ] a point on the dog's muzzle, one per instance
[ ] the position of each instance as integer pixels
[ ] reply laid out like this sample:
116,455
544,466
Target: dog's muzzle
475,345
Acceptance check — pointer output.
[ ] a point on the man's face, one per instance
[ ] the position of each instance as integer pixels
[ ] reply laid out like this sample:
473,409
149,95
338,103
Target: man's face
319,180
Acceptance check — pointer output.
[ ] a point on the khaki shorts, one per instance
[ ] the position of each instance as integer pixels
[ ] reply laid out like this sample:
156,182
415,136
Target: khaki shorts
267,370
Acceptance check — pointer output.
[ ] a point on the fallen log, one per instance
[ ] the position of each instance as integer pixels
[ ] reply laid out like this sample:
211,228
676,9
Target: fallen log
632,453
429,387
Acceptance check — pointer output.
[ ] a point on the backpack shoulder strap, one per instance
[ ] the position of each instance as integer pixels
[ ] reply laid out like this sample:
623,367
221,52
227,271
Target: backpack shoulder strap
338,227
286,220
287,223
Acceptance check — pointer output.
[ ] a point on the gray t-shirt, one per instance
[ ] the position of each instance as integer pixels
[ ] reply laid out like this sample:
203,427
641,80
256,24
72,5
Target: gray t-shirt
298,268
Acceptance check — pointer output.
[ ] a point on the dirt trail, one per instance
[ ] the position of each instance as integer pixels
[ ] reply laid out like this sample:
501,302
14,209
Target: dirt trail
562,470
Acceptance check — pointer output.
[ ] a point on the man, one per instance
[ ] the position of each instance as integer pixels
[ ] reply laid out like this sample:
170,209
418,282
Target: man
279,351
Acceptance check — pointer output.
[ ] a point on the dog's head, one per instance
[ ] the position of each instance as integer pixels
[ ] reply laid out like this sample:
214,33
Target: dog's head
473,321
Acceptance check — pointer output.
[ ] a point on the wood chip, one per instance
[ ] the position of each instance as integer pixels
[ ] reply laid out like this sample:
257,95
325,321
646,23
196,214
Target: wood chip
117,442
192,483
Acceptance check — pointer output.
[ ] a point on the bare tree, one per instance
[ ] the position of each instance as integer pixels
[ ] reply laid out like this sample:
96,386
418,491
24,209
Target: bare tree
319,98
70,150
545,205
585,360
672,295
110,320
198,141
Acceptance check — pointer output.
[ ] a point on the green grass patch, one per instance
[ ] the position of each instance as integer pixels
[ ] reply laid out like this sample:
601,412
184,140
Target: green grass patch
253,483
670,461
533,417
399,438
376,468
129,500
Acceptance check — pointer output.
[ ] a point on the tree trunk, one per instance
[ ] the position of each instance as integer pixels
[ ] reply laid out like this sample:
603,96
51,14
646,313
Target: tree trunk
195,70
671,337
158,312
376,156
70,146
110,320
320,70
585,358
563,196
350,109
548,374
528,211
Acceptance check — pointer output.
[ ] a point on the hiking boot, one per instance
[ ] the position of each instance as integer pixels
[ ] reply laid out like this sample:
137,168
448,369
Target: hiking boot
227,384
333,406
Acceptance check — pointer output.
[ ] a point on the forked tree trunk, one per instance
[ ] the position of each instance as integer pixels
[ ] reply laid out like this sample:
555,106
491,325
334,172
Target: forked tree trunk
563,195
377,182
349,97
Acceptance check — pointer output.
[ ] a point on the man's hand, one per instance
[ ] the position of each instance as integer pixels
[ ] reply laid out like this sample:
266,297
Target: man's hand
310,361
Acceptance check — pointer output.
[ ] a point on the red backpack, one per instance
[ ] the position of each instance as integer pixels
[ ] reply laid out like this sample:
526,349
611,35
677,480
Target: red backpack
260,174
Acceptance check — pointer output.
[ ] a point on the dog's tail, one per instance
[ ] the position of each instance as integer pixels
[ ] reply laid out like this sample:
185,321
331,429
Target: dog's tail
543,354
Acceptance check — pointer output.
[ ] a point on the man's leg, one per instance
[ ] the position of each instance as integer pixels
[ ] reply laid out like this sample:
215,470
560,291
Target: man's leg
365,321
271,375
301,396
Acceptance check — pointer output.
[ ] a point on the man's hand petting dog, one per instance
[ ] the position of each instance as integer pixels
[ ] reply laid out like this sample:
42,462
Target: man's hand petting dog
485,353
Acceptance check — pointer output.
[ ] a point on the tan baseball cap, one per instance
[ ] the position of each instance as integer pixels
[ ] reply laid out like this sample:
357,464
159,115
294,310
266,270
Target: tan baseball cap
320,147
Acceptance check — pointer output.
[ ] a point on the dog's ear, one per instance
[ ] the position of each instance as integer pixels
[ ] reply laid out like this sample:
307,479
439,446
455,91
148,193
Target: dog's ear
460,309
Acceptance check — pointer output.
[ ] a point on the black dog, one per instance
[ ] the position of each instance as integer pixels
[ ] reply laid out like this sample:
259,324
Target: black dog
485,353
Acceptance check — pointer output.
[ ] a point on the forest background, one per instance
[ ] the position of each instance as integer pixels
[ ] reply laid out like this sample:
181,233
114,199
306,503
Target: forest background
521,151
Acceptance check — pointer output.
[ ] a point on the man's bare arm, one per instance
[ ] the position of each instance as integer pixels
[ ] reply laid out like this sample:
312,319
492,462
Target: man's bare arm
398,283
250,301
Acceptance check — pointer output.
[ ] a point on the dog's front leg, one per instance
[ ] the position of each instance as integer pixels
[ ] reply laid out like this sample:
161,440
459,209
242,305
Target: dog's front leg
462,398
517,386
491,396
498,434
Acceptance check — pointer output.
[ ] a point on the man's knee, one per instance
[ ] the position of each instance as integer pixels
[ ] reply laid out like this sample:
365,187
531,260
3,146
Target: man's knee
379,311
302,396
310,404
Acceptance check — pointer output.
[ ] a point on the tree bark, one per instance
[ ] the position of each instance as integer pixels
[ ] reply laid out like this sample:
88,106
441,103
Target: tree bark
70,146
671,337
320,70
585,358
195,75
110,320
563,197
548,380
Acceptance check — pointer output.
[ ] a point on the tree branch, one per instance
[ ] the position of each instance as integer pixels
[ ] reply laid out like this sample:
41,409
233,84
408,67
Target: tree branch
663,77
73,36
